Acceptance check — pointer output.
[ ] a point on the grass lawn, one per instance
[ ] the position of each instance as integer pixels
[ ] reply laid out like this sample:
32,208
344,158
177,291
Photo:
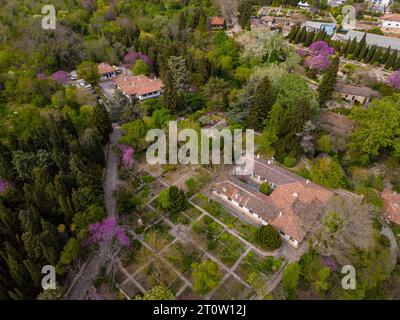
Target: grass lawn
256,263
192,212
179,218
187,254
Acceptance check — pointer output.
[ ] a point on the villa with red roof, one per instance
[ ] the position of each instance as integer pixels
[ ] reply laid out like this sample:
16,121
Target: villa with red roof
293,207
217,22
390,23
107,71
139,87
391,209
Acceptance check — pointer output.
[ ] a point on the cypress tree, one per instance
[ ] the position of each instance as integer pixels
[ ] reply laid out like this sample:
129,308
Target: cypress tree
101,122
297,36
359,46
293,32
303,35
345,47
309,38
392,59
377,56
261,106
385,56
328,82
396,65
170,93
352,47
370,53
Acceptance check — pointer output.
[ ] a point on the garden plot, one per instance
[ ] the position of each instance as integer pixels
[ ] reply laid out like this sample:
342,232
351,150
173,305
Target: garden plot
232,289
180,173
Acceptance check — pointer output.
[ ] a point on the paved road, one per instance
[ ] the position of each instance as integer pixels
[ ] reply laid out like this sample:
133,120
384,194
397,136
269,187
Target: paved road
88,274
111,175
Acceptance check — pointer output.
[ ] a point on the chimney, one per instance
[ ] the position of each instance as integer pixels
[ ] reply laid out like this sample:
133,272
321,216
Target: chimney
308,181
258,156
295,194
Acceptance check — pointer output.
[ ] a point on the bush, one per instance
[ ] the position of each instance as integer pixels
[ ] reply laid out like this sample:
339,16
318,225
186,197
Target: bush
268,237
265,188
289,162
324,144
206,276
303,172
328,172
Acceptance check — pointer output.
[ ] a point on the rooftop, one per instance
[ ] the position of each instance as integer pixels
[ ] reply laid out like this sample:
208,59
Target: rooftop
391,17
105,67
391,205
138,85
374,39
356,90
217,21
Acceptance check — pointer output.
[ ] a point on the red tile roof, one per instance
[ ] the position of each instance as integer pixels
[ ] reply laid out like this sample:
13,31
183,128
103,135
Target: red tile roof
292,208
391,17
302,204
217,21
391,205
138,85
105,67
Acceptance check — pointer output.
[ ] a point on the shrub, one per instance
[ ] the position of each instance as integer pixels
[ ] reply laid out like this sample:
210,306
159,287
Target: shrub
268,237
328,172
206,276
265,188
289,162
324,144
303,172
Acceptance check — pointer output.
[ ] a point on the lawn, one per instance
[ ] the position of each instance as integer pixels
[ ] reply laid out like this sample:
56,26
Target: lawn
232,290
215,209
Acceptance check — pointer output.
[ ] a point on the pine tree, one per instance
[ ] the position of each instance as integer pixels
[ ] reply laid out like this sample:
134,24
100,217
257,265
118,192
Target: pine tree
101,122
328,82
261,106
7,169
392,59
245,8
385,56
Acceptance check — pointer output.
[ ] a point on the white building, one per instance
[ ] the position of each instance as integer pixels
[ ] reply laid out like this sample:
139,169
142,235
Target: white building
390,23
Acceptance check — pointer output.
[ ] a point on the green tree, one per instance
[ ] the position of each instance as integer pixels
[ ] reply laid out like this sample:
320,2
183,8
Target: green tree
376,128
177,199
87,70
328,82
268,237
385,56
101,122
141,67
328,172
206,276
262,104
157,293
245,8
290,279
134,133
391,60
265,188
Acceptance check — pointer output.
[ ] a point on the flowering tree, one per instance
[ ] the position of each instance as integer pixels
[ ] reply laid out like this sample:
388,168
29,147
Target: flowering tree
319,54
393,80
127,156
131,57
60,76
321,48
111,239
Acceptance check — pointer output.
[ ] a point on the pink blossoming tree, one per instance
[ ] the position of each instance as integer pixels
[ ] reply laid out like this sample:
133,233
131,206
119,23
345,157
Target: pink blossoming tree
131,57
60,76
111,239
319,54
127,156
393,80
